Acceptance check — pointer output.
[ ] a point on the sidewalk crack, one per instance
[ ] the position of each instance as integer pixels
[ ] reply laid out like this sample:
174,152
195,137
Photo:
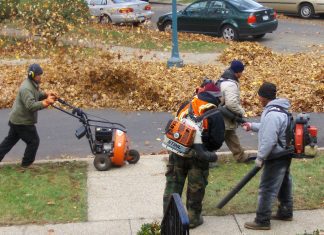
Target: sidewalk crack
130,227
238,225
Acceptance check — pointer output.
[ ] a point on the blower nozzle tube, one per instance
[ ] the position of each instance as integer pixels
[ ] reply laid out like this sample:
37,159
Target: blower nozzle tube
238,187
204,154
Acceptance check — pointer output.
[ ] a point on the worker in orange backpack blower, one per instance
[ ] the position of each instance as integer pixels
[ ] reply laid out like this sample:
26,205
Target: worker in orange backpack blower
276,180
195,164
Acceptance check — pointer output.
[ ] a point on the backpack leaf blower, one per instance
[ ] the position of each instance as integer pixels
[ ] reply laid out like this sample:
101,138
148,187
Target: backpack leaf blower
303,138
185,135
109,144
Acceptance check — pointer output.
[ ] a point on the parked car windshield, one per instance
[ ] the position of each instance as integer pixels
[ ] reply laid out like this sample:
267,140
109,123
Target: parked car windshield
97,2
245,4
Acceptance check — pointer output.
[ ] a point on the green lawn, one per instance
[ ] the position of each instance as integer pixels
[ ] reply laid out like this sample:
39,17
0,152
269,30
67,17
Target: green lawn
52,193
308,187
142,38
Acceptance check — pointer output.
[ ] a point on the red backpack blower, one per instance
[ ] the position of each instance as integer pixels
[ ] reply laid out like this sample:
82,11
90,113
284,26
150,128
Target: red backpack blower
305,137
109,145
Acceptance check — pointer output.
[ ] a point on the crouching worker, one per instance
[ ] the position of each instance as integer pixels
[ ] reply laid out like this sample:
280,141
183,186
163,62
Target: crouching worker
195,165
23,116
272,154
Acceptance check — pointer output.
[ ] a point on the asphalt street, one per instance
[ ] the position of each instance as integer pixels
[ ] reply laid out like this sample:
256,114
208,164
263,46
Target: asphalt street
292,35
145,129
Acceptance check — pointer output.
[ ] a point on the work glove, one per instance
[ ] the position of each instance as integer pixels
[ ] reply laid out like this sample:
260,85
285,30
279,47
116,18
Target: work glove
247,126
48,101
53,94
258,162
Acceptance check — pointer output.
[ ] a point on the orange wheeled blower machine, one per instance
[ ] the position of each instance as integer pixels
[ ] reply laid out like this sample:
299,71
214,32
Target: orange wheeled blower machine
109,145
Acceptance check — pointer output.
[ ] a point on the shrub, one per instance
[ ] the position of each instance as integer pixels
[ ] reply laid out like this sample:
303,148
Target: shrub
52,18
8,9
150,229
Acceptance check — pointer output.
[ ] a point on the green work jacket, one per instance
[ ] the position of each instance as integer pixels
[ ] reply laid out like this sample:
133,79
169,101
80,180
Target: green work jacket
27,103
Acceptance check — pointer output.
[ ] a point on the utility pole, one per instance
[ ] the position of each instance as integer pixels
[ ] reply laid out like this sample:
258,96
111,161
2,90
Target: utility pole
175,59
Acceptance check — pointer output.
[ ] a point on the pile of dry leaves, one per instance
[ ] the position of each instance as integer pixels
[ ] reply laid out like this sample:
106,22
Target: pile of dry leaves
299,77
99,81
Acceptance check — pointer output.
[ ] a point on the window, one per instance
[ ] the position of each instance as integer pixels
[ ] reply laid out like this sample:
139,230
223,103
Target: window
217,4
98,2
245,4
122,1
217,8
196,8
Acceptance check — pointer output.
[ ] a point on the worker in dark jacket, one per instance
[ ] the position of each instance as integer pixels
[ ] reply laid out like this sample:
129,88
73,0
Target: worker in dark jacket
196,166
276,180
23,116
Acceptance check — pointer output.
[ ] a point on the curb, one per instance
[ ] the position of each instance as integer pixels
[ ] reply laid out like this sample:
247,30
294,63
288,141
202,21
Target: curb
90,157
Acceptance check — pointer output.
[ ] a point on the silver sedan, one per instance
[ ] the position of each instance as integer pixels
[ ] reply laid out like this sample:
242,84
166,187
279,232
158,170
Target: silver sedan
120,11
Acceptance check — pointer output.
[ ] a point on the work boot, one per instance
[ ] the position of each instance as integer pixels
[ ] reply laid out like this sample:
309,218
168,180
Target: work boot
248,158
280,217
30,167
196,221
256,226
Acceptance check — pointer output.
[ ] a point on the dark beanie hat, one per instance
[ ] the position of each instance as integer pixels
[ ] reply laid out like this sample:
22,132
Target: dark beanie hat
268,90
36,69
237,66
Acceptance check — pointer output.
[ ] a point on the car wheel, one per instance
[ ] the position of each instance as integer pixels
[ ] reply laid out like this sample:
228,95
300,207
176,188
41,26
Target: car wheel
259,36
136,24
306,10
229,33
105,19
167,26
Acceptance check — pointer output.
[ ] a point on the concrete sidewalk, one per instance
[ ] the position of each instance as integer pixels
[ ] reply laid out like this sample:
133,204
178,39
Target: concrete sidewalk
122,199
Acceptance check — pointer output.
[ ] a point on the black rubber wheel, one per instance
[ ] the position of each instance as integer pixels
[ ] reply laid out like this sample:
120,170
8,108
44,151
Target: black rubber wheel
135,156
306,10
229,33
104,19
167,26
259,36
102,162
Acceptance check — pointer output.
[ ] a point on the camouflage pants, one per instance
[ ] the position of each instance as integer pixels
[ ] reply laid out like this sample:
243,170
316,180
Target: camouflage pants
178,169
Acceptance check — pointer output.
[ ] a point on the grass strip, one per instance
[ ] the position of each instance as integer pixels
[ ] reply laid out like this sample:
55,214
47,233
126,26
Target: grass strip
50,193
308,187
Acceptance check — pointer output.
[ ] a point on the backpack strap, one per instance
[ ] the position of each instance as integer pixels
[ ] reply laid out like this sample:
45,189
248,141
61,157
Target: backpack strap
207,114
219,81
203,116
288,131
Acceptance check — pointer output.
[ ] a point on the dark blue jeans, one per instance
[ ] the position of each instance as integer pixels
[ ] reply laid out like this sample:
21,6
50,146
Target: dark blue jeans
275,183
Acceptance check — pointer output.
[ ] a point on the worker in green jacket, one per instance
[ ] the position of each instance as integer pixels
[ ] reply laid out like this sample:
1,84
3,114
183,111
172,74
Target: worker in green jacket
23,116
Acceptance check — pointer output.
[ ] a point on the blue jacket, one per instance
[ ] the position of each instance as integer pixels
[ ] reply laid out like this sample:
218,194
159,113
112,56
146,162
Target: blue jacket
271,128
